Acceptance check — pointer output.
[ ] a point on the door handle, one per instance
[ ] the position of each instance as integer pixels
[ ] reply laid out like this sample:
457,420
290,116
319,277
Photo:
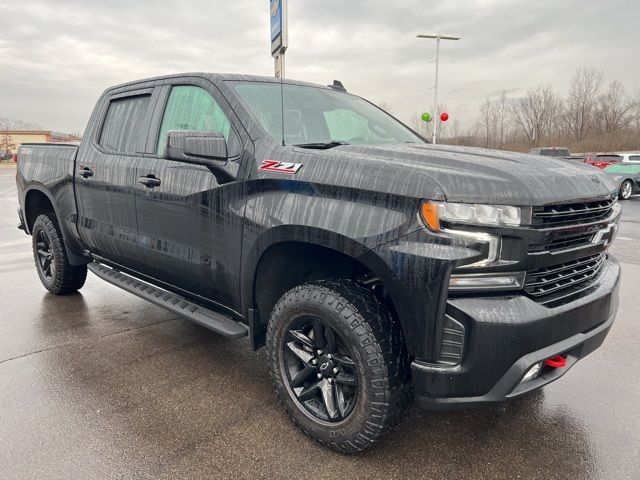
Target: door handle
85,172
149,181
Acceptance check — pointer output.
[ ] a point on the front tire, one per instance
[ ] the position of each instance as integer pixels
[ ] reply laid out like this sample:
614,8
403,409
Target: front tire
56,273
338,363
625,190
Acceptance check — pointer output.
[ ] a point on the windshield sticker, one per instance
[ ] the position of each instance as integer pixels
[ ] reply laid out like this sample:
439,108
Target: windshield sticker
280,167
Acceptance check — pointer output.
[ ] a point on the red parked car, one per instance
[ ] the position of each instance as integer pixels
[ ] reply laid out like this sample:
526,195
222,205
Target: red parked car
602,160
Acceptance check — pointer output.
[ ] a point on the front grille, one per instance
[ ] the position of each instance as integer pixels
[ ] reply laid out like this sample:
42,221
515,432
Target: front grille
568,214
551,279
564,242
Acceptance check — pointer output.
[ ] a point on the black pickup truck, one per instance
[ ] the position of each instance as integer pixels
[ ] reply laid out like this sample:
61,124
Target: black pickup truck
375,267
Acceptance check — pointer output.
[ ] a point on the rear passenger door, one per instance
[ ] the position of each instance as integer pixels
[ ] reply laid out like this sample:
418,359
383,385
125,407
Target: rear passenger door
173,214
106,171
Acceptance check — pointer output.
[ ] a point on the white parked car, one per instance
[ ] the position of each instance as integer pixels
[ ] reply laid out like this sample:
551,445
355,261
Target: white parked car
630,157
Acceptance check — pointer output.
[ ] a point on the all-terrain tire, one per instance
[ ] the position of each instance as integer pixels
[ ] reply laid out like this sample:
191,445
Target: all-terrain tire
378,351
57,276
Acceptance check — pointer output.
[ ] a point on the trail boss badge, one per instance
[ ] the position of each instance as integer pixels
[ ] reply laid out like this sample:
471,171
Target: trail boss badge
280,167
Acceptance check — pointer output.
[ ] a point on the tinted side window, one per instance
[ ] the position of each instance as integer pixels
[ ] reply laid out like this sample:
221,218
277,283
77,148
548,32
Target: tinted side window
193,108
634,158
122,124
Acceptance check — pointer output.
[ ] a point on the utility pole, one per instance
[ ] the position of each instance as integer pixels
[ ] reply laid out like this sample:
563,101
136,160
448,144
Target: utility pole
279,65
436,113
279,34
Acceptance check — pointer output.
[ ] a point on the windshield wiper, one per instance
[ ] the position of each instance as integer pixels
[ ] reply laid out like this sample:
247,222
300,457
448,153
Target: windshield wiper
321,145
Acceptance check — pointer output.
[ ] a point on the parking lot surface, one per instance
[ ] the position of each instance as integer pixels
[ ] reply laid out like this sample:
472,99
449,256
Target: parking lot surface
102,384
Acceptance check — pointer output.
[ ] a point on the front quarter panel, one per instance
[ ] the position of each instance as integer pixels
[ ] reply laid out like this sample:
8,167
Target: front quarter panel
348,207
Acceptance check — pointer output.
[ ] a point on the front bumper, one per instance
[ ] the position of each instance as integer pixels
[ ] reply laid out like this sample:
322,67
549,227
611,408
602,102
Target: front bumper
507,335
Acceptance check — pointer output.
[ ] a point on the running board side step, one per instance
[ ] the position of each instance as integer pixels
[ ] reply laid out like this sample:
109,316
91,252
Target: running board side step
215,321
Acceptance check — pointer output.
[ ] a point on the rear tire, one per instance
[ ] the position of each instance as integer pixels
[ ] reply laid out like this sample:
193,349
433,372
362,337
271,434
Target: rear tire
338,363
625,190
56,273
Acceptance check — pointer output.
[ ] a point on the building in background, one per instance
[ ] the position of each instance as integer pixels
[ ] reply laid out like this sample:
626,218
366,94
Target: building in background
10,140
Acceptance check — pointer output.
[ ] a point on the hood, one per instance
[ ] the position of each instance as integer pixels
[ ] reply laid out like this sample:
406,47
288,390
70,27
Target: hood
458,174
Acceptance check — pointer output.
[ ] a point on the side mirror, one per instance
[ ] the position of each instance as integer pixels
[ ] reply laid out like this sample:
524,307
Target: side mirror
201,148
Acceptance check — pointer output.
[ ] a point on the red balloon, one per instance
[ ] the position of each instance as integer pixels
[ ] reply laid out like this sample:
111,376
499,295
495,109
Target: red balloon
444,116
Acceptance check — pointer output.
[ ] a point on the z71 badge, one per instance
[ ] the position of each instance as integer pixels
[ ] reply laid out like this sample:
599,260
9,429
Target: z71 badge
280,167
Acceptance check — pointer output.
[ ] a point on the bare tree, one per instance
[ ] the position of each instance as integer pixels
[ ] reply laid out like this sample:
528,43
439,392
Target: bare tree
486,122
455,128
6,142
615,108
636,111
442,126
7,123
588,120
420,125
581,103
533,114
502,117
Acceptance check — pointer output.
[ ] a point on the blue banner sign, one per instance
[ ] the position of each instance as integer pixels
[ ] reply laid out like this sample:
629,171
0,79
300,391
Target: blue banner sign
276,19
278,12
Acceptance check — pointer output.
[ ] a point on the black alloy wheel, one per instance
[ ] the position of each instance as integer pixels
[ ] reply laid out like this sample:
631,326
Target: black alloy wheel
338,362
319,369
52,263
45,261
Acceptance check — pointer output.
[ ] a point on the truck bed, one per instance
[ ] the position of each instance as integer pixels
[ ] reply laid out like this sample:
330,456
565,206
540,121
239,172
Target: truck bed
42,162
48,169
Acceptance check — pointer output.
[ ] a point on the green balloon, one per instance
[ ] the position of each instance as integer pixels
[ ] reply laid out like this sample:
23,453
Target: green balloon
426,116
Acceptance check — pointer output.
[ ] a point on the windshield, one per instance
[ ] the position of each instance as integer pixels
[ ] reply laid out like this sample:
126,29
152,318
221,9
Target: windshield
319,116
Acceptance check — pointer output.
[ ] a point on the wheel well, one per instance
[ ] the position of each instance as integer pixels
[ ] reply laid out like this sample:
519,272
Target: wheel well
288,264
35,204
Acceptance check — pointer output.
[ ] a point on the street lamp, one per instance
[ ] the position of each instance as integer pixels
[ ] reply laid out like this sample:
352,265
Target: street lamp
438,37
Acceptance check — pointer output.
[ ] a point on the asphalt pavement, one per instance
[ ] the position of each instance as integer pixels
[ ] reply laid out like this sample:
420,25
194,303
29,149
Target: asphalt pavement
102,384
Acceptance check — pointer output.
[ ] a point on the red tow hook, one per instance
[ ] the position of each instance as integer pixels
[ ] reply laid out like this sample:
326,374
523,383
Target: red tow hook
557,361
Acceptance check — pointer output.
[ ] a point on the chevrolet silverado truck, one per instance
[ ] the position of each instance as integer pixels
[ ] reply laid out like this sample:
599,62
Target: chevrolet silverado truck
374,267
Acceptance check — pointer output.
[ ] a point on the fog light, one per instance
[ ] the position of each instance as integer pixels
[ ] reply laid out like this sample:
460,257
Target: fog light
532,372
495,281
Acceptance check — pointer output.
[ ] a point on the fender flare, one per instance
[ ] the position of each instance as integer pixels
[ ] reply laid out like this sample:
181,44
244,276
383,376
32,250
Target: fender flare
74,257
362,253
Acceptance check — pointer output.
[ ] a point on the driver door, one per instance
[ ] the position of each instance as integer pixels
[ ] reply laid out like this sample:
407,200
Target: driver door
172,235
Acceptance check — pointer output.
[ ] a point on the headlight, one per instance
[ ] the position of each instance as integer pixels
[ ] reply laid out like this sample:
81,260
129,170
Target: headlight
433,213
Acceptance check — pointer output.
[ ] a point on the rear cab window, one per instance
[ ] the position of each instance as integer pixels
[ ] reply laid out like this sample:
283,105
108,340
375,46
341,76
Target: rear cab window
122,126
554,152
608,158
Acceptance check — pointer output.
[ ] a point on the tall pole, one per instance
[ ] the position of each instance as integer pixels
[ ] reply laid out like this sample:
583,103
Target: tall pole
279,65
436,113
435,94
279,34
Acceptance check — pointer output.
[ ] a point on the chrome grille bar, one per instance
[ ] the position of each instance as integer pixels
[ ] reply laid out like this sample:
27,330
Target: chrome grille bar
551,279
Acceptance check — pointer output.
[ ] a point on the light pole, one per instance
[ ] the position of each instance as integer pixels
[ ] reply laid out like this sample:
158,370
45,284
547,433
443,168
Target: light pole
438,37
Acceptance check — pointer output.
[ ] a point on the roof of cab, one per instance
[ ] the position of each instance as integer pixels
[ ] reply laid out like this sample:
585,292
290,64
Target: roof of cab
216,78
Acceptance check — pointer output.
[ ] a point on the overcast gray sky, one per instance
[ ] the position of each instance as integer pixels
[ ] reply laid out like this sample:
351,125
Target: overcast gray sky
57,57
